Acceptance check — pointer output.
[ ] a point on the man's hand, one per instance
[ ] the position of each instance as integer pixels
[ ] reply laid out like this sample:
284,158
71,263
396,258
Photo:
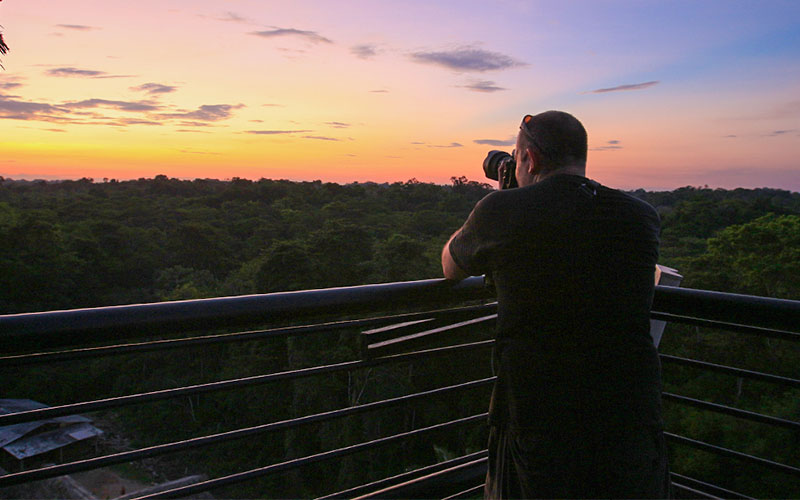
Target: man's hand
449,267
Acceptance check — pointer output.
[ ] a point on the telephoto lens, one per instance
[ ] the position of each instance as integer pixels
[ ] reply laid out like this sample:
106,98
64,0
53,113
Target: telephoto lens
491,167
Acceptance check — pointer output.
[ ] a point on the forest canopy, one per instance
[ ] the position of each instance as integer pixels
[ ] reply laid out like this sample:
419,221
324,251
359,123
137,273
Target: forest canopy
82,243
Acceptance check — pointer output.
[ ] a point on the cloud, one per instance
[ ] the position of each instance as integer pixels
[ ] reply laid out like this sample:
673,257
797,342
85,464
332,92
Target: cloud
189,151
467,59
155,88
379,91
620,88
138,121
483,86
76,27
11,109
611,145
320,138
275,132
118,105
451,145
54,130
310,36
777,133
193,124
84,73
495,142
91,112
364,51
232,17
338,124
206,112
9,85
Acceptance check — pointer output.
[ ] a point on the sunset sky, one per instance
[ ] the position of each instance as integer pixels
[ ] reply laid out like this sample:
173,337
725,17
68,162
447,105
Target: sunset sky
672,93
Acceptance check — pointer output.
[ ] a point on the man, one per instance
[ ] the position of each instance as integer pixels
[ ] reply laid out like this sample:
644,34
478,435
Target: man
576,409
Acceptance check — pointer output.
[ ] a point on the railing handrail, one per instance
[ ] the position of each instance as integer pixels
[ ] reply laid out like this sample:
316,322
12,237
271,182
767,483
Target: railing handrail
201,314
734,308
731,308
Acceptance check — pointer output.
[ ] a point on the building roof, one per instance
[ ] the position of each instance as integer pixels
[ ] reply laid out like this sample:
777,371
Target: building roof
19,440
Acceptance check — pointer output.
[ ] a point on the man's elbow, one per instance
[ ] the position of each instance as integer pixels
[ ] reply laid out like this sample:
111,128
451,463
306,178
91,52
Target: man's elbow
450,269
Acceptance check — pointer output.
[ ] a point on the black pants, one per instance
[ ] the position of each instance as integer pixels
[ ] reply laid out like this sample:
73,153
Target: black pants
568,462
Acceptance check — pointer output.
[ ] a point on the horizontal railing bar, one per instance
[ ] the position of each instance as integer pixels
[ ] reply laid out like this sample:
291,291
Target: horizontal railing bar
427,334
687,492
158,345
299,462
724,325
788,469
735,412
120,401
388,481
722,492
730,370
58,327
764,312
198,442
432,482
468,493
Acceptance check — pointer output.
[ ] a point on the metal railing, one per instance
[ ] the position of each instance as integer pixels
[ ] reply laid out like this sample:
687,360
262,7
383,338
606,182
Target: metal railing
442,312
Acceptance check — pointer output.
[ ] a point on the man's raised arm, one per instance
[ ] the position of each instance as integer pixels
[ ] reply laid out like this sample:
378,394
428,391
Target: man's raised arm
449,267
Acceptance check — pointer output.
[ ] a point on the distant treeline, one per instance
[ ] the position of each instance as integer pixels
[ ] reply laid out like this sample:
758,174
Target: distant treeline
81,243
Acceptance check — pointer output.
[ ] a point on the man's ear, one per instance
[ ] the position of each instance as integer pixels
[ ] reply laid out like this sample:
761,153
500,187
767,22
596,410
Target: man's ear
534,162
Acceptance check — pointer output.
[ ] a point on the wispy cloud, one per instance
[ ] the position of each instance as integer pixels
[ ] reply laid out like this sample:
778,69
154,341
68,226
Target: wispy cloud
483,86
310,36
83,73
364,51
496,142
118,105
12,109
451,145
466,59
10,85
206,112
275,132
320,138
338,124
379,91
232,17
611,145
194,152
77,27
154,88
778,133
104,112
621,88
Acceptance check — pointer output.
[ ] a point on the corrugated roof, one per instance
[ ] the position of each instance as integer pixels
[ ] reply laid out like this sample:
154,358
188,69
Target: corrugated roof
47,441
77,428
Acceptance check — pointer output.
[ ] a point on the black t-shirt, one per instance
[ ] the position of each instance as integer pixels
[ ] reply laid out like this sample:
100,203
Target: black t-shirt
573,263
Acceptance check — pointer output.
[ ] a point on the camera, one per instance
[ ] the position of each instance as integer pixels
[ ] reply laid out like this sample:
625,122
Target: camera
491,167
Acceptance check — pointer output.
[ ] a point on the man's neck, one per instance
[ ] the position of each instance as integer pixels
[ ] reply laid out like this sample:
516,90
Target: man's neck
571,170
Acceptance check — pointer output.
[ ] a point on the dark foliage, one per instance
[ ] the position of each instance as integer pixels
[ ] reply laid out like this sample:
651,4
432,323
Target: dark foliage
81,244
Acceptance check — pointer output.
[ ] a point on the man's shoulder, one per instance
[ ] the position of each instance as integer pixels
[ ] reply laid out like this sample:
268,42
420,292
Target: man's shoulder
633,203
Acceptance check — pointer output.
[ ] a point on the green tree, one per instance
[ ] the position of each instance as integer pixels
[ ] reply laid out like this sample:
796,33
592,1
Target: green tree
761,257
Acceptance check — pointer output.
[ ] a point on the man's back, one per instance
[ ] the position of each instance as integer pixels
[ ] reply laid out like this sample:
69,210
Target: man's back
573,266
